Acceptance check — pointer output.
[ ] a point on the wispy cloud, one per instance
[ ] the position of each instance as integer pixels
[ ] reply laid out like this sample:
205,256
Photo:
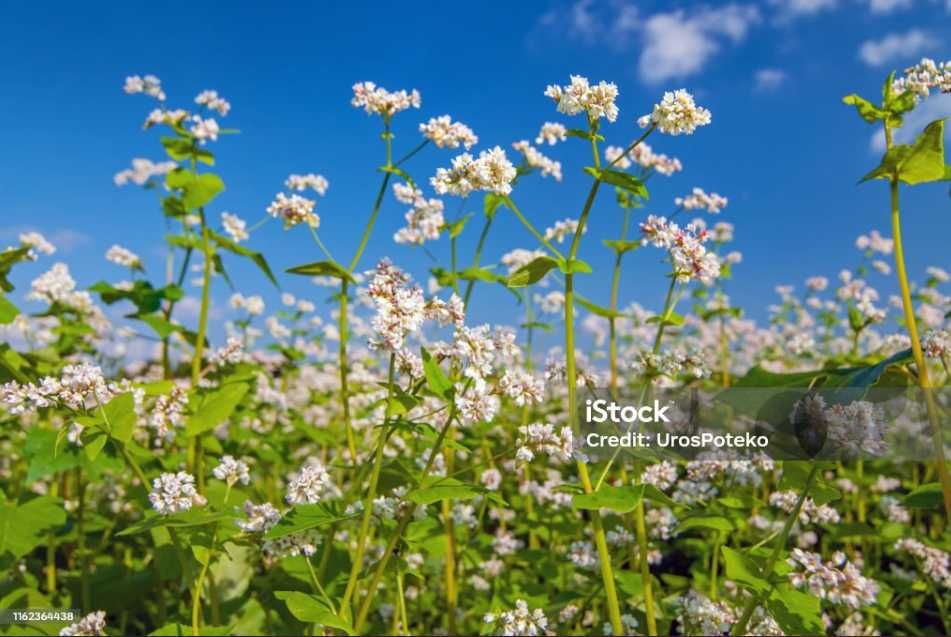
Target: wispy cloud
895,47
792,9
888,6
680,44
768,80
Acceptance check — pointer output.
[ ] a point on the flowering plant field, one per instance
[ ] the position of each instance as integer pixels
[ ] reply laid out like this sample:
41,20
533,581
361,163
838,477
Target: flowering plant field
389,467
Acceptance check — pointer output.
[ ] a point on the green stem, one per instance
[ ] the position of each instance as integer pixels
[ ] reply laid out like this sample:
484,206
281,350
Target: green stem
320,244
343,364
525,222
478,255
81,540
740,627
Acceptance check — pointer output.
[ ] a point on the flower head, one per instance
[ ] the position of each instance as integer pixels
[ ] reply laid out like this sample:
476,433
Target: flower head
676,114
174,493
376,100
580,97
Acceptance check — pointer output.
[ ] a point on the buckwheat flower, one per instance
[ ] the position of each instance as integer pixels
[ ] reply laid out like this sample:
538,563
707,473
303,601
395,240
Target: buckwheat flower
810,512
581,553
235,226
505,543
253,305
520,621
856,427
310,485
676,114
700,616
644,155
204,129
424,222
142,171
616,157
406,193
37,243
261,517
445,313
817,283
551,303
520,257
445,133
936,344
893,510
121,256
551,133
699,200
923,77
293,210
543,438
303,543
376,100
174,493
491,479
148,85
91,624
161,116
522,387
535,159
232,471
661,475
74,434
660,523
562,229
300,183
838,580
579,96
875,242
568,613
939,275
477,405
934,563
213,102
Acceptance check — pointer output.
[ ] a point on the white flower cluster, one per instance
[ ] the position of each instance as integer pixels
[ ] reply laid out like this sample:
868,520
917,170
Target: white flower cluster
174,493
303,543
148,85
551,133
936,343
934,561
294,210
235,226
670,363
700,616
446,133
659,162
522,387
311,484
676,114
124,257
377,100
260,517
142,171
660,523
401,308
921,78
56,285
231,353
520,621
543,438
838,580
78,387
91,624
37,243
213,102
253,305
168,414
491,172
562,229
535,159
661,475
424,221
580,97
232,471
862,295
300,183
690,258
204,129
699,200
162,116
810,512
875,242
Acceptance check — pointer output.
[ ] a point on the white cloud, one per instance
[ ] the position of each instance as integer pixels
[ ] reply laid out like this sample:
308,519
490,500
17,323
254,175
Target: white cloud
887,6
678,44
790,9
766,80
895,46
932,108
592,23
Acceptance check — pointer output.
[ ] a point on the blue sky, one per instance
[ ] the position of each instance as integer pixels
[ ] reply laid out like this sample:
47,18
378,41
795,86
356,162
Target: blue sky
782,147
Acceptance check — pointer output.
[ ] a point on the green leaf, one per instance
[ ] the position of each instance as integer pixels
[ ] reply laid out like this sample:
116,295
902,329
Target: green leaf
575,266
399,172
491,204
672,319
25,526
478,274
619,178
190,518
917,163
866,110
240,250
618,499
704,521
455,228
322,268
436,378
620,247
927,496
216,408
532,272
657,496
796,612
742,569
597,309
304,517
8,311
119,417
434,489
198,190
180,149
311,609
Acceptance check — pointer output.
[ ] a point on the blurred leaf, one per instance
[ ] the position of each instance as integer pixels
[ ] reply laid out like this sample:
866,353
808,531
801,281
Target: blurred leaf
532,272
618,499
436,378
917,163
927,496
866,110
434,489
216,408
322,268
303,517
742,569
311,609
236,248
618,178
25,526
